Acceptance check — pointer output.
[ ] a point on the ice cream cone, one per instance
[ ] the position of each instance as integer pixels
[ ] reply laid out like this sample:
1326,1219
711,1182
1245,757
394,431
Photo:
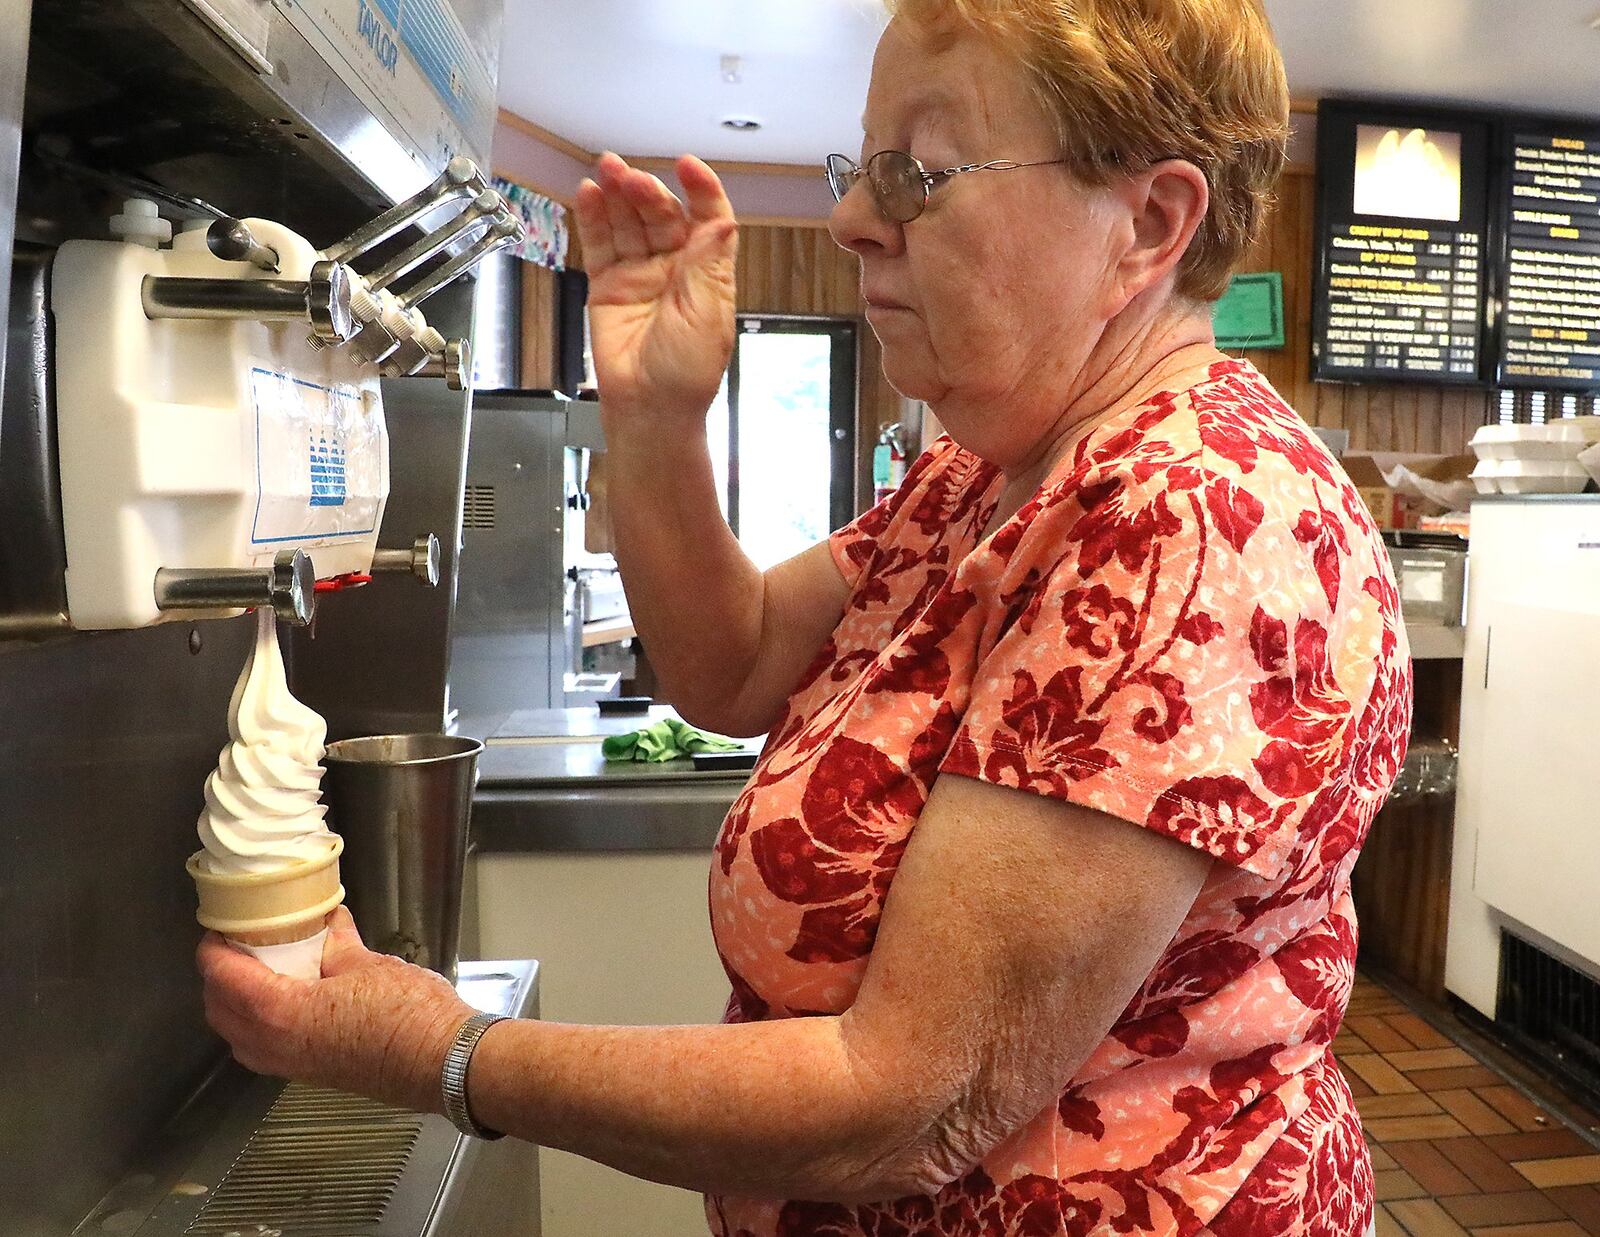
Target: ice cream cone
263,911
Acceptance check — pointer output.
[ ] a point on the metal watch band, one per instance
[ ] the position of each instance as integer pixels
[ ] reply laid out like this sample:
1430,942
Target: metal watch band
453,1078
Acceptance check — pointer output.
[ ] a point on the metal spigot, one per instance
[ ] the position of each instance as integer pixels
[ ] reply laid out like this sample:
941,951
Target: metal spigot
453,363
288,586
421,560
323,300
232,241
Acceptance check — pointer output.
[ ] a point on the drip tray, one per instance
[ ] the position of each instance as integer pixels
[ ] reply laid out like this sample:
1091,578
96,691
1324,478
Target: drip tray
253,1157
322,1162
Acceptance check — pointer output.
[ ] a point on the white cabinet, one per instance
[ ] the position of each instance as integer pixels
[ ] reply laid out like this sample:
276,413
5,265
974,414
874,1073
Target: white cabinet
1527,835
622,938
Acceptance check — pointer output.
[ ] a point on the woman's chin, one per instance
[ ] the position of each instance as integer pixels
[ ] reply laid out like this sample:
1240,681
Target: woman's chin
912,376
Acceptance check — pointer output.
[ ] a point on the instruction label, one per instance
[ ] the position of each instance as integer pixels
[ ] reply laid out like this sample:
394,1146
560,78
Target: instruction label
320,466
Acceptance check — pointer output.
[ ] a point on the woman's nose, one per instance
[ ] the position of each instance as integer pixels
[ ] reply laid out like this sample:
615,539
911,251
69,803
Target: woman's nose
858,225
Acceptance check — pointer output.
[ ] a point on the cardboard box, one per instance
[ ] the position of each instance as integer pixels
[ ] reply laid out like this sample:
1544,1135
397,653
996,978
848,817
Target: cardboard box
1367,477
1394,510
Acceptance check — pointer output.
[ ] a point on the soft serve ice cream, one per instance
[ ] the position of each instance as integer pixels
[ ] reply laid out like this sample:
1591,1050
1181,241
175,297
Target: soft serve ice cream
263,803
268,873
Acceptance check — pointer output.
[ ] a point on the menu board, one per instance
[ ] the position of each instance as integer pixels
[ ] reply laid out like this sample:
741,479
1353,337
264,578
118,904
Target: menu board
1400,278
1549,335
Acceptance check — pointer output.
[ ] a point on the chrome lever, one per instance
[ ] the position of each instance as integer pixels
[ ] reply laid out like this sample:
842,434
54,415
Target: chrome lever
478,215
460,179
507,230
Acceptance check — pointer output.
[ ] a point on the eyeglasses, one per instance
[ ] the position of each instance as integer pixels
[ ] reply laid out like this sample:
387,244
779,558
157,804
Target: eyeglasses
900,185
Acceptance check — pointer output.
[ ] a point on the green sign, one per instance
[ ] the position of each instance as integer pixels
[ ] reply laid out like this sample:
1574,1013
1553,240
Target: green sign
1250,313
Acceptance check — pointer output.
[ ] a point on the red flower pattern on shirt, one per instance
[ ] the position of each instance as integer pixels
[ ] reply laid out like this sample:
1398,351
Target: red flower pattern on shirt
1192,627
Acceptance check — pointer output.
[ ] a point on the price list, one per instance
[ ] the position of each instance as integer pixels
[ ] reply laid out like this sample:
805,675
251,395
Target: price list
1552,304
1403,302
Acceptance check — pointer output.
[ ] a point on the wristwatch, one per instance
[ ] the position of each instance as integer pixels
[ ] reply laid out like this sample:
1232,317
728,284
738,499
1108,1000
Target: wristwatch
453,1078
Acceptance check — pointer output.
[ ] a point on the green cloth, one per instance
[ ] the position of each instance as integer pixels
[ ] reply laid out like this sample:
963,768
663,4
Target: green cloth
666,740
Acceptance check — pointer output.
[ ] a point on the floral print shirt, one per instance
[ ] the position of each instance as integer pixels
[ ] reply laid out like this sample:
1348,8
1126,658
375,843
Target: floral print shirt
1192,627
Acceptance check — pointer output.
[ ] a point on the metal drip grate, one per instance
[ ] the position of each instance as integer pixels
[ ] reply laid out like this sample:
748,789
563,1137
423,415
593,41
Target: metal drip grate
322,1164
479,508
1552,1010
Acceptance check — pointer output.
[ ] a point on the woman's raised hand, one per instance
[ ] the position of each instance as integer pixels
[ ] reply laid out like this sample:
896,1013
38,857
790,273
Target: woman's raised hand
661,289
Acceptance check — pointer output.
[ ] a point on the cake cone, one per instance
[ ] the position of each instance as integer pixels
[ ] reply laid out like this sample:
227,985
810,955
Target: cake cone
265,909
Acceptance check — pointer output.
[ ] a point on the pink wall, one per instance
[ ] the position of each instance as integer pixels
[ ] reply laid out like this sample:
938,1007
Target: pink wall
523,157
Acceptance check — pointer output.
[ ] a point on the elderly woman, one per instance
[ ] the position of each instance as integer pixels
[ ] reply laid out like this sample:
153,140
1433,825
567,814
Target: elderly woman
1036,908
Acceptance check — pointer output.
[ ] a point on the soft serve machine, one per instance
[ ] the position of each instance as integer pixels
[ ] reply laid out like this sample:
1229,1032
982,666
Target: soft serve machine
237,375
219,419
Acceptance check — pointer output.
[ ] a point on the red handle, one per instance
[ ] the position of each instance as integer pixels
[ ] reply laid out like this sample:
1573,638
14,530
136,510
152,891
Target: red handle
351,579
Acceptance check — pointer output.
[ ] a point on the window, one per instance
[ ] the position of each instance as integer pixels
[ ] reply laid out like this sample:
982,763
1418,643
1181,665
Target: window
783,434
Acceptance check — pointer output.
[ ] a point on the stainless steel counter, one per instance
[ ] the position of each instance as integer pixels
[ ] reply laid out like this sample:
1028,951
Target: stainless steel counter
543,785
253,1155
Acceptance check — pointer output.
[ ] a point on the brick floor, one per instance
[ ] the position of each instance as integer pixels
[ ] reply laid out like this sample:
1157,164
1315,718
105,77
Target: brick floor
1458,1149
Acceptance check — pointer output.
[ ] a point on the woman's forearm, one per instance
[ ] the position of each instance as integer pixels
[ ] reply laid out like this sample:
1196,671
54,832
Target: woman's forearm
768,1110
694,595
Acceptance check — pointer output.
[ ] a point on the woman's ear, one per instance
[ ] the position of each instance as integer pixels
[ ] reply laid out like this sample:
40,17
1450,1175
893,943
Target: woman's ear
1167,204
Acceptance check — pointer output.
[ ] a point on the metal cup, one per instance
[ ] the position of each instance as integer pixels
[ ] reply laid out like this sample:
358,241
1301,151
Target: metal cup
402,803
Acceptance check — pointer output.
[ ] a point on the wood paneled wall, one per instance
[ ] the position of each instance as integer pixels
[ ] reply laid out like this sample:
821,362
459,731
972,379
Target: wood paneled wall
537,354
801,271
1379,418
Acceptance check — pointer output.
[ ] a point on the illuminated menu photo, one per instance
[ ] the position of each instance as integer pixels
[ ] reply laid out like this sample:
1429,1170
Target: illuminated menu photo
1401,242
1549,332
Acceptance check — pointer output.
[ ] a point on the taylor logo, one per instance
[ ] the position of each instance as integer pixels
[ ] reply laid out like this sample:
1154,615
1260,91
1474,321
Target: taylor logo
375,31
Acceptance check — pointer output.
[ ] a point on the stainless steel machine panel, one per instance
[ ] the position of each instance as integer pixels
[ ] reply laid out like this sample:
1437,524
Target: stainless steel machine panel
377,659
511,647
104,746
106,739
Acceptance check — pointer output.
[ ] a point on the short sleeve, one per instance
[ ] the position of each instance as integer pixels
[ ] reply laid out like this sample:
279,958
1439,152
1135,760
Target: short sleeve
1164,656
854,545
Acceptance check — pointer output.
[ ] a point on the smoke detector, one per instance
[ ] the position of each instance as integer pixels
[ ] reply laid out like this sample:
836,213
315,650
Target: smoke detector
742,124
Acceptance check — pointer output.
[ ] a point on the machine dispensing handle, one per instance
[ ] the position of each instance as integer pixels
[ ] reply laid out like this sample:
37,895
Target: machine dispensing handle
507,230
323,300
479,214
460,179
288,586
421,559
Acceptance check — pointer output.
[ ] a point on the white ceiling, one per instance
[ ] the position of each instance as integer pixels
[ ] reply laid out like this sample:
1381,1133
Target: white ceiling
643,76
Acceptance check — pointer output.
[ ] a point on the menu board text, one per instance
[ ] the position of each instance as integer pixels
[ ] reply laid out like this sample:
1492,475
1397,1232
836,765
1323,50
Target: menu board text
1552,298
1402,300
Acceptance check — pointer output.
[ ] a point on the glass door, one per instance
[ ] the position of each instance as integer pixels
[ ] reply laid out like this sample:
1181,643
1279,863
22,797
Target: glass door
783,434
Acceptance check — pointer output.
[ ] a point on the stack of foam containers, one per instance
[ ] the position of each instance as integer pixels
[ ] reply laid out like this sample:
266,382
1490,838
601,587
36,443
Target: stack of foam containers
1560,457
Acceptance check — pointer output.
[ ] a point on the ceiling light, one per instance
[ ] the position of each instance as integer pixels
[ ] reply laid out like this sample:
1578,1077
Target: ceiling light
742,124
733,69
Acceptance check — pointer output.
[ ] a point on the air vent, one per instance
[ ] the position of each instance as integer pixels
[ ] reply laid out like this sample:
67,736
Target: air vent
322,1164
1552,1010
478,511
